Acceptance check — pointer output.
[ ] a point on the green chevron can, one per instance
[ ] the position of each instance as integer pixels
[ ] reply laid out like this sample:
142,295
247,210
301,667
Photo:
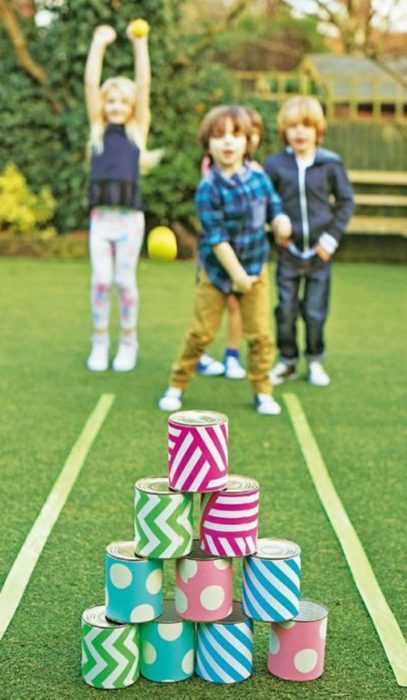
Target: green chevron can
163,524
167,647
110,652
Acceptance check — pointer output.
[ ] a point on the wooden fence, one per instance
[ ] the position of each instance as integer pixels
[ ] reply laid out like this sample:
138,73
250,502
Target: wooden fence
357,98
368,135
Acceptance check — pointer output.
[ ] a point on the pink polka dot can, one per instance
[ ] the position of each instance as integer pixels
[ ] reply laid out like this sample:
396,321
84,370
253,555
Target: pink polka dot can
204,585
297,646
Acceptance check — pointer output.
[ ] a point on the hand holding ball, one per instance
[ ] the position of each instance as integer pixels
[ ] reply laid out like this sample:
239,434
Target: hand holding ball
162,244
138,28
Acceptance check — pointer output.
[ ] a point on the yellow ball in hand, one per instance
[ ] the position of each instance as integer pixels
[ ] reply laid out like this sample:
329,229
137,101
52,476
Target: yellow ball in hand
139,27
162,244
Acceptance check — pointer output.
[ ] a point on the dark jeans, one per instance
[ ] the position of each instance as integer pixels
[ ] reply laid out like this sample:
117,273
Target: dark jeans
309,300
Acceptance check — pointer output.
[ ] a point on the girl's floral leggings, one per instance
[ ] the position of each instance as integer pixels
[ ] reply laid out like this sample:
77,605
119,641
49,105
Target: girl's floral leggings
116,237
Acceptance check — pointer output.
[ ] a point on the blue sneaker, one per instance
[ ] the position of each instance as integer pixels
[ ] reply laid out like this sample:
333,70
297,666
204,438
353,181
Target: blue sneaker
209,367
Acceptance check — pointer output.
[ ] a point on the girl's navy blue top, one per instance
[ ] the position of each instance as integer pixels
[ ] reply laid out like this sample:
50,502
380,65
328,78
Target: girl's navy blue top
114,173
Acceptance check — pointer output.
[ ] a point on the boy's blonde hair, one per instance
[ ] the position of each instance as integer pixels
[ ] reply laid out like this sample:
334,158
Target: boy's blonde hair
213,124
302,109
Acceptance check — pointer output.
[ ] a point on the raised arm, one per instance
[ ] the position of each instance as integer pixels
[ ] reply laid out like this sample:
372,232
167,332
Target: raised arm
142,78
102,37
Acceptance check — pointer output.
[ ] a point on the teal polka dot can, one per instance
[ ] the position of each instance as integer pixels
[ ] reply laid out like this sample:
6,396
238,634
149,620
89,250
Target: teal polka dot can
134,585
167,647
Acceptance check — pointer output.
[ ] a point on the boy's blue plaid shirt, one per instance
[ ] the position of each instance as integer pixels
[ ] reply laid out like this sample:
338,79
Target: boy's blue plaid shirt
235,210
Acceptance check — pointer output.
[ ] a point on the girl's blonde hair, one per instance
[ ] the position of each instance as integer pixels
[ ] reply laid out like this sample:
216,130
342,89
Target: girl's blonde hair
301,110
127,89
213,124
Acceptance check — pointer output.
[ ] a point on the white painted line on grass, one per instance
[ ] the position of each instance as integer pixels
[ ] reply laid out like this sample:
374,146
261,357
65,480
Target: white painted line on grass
20,573
382,617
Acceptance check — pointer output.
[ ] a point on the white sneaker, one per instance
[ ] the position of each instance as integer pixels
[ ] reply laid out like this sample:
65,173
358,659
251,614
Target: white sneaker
126,357
317,375
171,400
98,360
209,367
282,372
266,405
233,368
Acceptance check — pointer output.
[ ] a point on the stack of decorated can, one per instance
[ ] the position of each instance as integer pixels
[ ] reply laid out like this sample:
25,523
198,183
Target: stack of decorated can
203,630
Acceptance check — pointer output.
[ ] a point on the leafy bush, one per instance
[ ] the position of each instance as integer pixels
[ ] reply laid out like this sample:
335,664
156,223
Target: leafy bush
46,128
22,212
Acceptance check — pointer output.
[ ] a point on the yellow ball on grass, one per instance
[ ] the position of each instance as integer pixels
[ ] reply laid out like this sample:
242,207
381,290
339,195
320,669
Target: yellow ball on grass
139,27
162,243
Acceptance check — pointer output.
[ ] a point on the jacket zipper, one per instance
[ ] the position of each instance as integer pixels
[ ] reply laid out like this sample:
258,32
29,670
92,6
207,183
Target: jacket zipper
303,206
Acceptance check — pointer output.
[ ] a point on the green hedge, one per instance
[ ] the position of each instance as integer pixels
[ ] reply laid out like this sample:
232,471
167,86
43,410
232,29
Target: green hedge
44,129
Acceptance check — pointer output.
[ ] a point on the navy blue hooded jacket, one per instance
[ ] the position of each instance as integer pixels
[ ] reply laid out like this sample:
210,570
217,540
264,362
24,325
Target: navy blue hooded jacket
321,203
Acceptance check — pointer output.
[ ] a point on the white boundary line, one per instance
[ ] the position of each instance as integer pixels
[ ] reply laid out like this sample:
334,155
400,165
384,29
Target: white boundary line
20,573
382,617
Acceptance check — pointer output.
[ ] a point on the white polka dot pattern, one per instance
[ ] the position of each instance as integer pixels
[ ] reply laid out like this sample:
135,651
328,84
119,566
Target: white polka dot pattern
305,660
142,613
154,581
188,569
212,597
181,601
187,664
149,653
120,575
222,564
170,632
274,642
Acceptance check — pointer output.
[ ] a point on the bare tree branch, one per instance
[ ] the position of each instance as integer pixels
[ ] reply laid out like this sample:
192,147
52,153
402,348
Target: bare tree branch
9,17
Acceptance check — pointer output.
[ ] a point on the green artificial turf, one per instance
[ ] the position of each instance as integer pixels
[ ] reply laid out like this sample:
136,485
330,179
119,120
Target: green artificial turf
47,395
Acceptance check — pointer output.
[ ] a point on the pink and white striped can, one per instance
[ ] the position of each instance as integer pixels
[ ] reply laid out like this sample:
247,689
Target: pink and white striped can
229,519
197,451
204,586
297,646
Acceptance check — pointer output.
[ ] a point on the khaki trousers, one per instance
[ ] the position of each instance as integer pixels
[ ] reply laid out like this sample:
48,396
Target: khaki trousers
207,316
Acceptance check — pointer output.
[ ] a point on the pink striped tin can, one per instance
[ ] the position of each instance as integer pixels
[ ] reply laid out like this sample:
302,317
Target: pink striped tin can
229,519
297,646
204,586
197,451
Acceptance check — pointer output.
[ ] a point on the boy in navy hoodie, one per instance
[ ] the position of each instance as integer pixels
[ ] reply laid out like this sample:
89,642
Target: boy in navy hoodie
317,196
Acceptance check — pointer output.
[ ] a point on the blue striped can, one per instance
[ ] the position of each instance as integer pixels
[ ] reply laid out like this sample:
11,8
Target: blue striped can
271,581
134,585
167,647
224,652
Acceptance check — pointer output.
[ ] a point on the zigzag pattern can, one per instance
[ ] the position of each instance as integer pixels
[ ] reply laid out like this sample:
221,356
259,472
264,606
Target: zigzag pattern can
203,586
134,585
167,647
224,652
197,451
110,652
229,519
271,581
162,520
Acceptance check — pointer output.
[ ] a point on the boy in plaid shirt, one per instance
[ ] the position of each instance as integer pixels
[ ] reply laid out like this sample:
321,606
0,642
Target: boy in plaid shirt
234,202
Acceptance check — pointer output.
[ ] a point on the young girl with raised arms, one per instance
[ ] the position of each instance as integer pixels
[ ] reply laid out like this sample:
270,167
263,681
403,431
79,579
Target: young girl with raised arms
119,117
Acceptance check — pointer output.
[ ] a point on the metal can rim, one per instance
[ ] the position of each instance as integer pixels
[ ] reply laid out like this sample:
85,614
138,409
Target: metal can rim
293,551
212,418
100,620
